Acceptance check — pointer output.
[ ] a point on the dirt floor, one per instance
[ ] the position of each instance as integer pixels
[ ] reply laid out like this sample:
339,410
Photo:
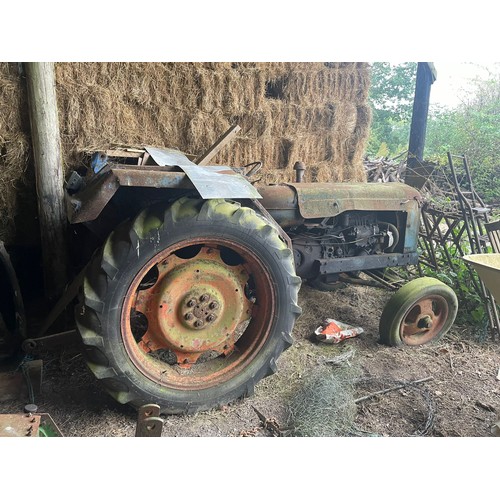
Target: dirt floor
314,390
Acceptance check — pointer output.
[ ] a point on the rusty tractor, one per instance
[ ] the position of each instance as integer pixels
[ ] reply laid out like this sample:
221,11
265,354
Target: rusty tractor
188,292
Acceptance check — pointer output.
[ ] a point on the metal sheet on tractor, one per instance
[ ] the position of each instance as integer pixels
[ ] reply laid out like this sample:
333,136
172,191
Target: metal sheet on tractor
220,182
165,157
210,181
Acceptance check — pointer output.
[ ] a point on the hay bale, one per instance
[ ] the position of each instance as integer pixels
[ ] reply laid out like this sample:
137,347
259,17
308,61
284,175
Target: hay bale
312,112
14,146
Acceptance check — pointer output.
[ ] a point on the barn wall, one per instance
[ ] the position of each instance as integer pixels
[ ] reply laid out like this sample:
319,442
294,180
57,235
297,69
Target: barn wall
316,113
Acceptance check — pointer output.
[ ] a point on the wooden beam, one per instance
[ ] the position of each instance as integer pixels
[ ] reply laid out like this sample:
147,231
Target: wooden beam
206,157
45,139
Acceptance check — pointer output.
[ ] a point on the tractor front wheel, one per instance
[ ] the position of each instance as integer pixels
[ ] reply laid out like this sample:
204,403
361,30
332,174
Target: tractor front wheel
421,311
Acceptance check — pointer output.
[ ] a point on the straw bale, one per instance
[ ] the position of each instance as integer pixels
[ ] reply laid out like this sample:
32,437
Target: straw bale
272,152
278,69
293,119
359,138
231,91
326,86
288,111
204,129
14,146
262,122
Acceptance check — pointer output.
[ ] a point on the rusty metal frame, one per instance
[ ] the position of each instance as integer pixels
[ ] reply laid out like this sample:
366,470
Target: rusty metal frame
28,425
19,425
366,262
466,221
87,204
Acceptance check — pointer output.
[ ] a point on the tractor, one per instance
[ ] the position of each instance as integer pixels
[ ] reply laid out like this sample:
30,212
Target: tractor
188,290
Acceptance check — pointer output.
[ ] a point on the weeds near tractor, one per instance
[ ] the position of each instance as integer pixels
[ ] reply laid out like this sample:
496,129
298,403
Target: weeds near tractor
458,275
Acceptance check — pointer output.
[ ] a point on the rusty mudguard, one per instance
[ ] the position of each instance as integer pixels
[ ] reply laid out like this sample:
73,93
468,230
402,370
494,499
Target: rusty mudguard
172,170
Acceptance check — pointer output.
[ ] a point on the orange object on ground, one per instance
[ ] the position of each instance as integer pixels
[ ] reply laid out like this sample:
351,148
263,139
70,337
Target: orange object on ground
335,331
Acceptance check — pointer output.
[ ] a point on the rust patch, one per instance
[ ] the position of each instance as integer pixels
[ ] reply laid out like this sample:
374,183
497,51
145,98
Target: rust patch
424,320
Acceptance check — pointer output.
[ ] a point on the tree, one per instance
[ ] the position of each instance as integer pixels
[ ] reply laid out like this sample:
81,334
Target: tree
391,97
472,129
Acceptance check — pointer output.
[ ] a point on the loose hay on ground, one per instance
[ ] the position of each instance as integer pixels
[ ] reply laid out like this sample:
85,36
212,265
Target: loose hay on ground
324,405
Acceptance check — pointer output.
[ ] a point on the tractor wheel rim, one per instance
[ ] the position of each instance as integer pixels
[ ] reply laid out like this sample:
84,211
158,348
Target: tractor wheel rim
424,320
204,316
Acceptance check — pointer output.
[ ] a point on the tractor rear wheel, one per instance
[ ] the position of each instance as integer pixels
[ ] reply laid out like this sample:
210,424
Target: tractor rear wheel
188,306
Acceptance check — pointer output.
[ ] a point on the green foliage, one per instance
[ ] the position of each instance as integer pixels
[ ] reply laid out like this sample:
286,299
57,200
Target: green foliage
460,277
393,88
473,129
391,98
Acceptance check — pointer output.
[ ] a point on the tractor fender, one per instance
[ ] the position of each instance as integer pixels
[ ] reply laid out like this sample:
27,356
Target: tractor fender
210,182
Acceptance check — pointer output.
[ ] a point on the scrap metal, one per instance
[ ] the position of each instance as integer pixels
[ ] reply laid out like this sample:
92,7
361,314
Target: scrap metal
149,423
28,425
453,219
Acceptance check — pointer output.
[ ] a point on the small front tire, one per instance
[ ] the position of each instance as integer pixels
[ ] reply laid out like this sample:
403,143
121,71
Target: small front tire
420,312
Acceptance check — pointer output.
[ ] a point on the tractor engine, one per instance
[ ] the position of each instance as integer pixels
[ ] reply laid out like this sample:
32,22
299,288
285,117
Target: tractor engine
346,228
348,235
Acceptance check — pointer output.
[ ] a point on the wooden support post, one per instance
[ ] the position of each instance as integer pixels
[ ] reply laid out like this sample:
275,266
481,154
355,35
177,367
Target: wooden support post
45,139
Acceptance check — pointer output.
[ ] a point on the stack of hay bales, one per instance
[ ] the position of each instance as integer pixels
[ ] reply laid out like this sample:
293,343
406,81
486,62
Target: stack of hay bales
14,146
316,113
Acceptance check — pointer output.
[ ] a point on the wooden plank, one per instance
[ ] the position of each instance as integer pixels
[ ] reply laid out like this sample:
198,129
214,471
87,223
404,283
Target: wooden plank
115,153
206,157
144,159
45,139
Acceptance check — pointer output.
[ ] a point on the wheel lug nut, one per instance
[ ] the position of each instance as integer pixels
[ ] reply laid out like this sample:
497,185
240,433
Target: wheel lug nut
198,323
211,317
213,305
204,297
188,316
191,303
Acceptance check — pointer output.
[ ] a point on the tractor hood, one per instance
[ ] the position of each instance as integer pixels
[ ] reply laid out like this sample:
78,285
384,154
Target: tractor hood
316,199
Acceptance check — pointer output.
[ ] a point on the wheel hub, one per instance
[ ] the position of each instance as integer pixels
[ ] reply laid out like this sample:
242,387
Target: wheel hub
194,307
424,320
202,309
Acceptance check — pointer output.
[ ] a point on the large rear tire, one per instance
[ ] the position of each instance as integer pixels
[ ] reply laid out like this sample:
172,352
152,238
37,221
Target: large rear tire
188,306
